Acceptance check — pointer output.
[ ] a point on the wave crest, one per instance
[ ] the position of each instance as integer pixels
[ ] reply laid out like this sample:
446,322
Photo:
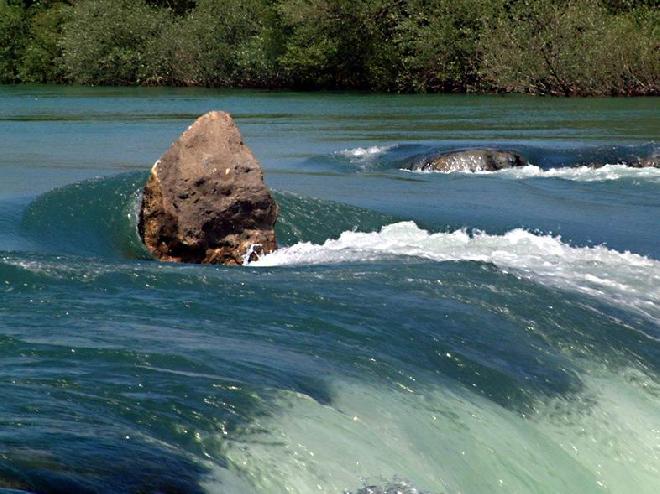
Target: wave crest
365,153
577,174
624,278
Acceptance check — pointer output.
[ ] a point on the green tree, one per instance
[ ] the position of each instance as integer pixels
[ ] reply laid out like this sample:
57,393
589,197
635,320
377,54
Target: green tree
42,57
106,41
219,43
570,48
12,39
179,7
388,46
232,38
403,45
439,41
325,42
563,47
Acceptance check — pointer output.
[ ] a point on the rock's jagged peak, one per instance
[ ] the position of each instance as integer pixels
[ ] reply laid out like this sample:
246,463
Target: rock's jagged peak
205,200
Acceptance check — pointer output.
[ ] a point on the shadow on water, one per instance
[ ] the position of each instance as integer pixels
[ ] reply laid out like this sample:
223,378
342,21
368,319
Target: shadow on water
80,466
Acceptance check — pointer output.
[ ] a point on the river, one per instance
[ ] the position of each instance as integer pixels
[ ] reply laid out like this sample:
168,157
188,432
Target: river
417,333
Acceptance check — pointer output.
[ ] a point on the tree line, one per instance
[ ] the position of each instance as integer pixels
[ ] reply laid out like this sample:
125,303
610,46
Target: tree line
562,47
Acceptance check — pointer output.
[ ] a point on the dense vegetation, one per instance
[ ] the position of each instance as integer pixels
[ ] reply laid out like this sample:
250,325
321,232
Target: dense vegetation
568,47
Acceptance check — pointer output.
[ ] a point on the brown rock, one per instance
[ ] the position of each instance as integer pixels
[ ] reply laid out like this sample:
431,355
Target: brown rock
470,160
206,201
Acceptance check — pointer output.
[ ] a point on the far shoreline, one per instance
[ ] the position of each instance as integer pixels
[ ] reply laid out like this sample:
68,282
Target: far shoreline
325,90
582,48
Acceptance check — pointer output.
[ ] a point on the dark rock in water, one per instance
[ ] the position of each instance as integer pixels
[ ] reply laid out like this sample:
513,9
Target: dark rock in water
395,487
206,201
470,160
652,161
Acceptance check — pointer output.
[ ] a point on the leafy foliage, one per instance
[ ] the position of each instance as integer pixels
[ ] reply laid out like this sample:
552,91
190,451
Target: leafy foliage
42,56
105,41
12,40
563,47
574,48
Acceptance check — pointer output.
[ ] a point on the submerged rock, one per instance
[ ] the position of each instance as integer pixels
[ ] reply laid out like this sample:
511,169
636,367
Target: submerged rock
641,163
395,487
206,201
470,160
652,161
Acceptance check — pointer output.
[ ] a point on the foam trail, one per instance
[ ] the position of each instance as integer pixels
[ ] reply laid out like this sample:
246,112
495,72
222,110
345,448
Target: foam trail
585,173
623,278
577,174
450,441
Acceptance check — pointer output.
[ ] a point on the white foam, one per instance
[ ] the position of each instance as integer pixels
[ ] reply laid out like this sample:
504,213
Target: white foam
364,153
577,174
623,278
585,173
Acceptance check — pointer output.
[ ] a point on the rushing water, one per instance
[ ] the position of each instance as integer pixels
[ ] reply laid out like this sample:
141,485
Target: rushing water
419,332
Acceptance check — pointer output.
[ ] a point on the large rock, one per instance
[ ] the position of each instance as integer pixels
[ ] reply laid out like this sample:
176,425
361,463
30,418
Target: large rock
469,160
206,201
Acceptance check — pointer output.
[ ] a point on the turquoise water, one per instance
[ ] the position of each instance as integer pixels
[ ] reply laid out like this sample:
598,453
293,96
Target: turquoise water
435,333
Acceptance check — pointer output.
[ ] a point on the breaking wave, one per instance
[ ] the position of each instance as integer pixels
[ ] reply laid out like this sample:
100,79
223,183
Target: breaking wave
627,279
364,153
578,173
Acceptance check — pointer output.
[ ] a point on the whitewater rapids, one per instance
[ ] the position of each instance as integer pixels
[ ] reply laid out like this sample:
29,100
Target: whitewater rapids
623,278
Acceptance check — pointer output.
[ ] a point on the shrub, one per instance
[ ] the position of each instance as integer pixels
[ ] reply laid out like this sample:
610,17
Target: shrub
405,45
42,56
325,42
12,40
569,48
105,41
563,47
219,43
232,38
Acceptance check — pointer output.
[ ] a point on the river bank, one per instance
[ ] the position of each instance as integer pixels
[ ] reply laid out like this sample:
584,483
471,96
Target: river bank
575,48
